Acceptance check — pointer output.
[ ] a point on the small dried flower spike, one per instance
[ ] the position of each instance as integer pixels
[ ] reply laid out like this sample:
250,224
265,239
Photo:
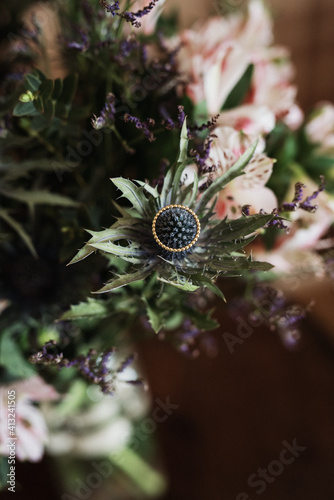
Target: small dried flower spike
176,228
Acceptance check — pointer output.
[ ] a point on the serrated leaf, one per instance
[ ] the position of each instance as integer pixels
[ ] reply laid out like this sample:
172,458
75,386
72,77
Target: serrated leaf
153,191
18,228
235,171
156,318
186,287
240,228
132,193
130,253
126,279
208,283
91,309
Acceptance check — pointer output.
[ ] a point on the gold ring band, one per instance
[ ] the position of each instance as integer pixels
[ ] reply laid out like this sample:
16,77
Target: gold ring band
165,247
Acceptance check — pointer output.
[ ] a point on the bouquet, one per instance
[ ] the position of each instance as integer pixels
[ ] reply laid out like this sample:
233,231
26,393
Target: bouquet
145,172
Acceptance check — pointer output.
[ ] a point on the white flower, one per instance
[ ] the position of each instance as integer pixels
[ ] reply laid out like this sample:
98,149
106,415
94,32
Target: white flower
320,127
30,428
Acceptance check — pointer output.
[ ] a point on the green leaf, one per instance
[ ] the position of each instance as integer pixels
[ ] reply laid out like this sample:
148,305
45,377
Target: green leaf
25,109
240,228
156,318
39,105
187,286
130,253
126,279
39,197
132,193
49,109
19,230
191,192
235,171
31,82
203,321
239,92
171,183
91,309
208,283
58,88
70,84
46,89
183,143
11,357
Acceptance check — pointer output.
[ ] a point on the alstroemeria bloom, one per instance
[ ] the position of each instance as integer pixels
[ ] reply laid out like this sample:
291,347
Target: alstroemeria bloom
320,127
214,57
252,119
248,189
30,428
213,69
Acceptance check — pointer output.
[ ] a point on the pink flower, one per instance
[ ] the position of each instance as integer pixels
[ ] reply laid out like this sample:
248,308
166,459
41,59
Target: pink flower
271,82
252,119
214,57
248,189
320,127
30,428
213,69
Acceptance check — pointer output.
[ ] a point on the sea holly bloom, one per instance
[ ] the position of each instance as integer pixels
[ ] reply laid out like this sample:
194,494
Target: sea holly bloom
174,232
30,427
249,189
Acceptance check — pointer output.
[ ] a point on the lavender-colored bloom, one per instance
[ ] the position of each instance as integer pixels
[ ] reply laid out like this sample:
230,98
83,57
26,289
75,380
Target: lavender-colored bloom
111,8
144,126
306,204
145,10
79,46
107,115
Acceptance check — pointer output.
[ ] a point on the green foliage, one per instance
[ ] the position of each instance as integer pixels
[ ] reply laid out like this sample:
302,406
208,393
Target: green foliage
239,92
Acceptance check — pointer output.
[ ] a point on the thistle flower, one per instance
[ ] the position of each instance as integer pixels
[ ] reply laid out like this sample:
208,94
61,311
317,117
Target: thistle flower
174,232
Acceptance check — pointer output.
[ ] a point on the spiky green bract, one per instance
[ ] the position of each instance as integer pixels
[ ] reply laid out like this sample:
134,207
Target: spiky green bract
218,251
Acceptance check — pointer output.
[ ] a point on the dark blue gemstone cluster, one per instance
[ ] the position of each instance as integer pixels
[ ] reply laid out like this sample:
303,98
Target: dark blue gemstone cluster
176,228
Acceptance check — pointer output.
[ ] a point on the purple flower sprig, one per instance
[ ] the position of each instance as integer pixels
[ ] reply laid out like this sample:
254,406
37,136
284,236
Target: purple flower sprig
93,366
130,17
144,126
298,195
107,114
